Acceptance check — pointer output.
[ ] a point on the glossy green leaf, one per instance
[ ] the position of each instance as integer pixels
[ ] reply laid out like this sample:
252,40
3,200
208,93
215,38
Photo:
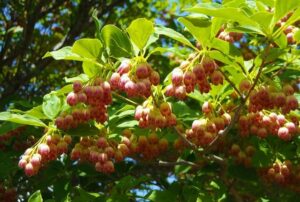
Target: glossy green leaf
227,48
273,54
87,48
22,119
200,29
261,6
37,112
36,197
297,36
64,53
161,50
216,24
295,17
228,13
116,41
83,195
90,69
51,105
281,40
153,38
269,3
140,31
66,89
98,24
81,77
283,7
128,124
264,19
173,35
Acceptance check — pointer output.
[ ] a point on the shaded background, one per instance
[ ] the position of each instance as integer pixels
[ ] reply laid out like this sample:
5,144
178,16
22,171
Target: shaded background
28,29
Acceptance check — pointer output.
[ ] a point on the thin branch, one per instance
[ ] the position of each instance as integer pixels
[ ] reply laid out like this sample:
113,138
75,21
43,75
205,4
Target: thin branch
242,68
180,162
231,83
189,143
243,102
216,159
125,99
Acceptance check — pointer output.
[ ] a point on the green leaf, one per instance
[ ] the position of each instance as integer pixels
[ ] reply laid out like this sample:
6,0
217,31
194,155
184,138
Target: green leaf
64,53
245,29
181,109
7,126
116,41
261,6
87,48
36,197
283,7
83,130
228,13
140,31
128,182
83,195
240,172
51,105
118,197
66,89
61,188
217,55
8,164
274,54
228,49
81,77
37,112
153,38
295,17
200,29
181,169
173,35
98,24
22,119
162,196
264,19
216,24
281,40
128,124
161,50
235,75
190,193
122,115
297,36
90,68
269,3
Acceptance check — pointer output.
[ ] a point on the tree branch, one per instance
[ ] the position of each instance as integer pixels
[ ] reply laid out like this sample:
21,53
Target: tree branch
189,143
180,162
243,101
231,83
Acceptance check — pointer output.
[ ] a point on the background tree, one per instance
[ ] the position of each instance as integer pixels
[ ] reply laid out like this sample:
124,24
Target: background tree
171,101
31,28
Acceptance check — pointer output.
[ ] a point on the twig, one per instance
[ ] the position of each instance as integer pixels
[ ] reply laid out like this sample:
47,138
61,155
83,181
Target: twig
180,162
192,145
231,83
216,159
243,102
124,98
